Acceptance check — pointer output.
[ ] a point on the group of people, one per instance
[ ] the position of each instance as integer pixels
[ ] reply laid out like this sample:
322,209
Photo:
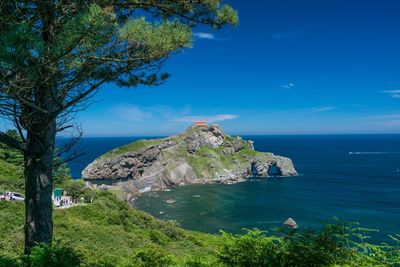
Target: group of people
65,202
4,197
10,196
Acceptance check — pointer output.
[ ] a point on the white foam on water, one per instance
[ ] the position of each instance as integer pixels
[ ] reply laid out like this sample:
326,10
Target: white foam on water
144,190
371,153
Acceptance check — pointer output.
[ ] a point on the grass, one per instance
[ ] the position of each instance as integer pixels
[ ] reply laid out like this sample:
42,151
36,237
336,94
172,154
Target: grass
116,230
202,160
103,233
11,177
132,147
106,231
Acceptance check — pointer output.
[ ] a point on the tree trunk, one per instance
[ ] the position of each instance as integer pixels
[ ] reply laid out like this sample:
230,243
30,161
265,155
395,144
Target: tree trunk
38,185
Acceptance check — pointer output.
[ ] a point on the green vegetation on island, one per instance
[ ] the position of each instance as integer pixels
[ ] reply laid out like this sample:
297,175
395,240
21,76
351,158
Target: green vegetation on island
198,155
132,147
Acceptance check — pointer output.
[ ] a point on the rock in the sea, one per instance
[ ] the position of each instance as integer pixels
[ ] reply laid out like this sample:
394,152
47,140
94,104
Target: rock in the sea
198,155
290,223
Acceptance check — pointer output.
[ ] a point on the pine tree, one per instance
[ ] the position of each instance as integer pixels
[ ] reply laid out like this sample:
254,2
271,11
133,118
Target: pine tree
56,54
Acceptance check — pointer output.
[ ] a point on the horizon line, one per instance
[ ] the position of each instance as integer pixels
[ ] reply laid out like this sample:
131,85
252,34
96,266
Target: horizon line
236,134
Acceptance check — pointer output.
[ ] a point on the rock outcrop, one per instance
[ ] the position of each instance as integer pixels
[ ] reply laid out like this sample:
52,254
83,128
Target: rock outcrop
290,223
201,154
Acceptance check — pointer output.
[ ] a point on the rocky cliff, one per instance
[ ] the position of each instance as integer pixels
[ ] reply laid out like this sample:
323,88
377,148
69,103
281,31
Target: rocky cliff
201,154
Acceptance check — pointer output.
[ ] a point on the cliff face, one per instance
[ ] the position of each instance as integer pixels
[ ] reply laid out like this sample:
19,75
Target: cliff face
201,154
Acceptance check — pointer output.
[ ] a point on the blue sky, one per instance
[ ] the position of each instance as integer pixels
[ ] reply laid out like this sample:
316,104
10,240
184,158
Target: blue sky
290,67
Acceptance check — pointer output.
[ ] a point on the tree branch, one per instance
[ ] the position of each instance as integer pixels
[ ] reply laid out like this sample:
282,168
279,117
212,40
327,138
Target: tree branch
12,142
80,97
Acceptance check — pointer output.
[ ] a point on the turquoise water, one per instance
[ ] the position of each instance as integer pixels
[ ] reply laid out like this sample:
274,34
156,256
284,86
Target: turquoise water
353,177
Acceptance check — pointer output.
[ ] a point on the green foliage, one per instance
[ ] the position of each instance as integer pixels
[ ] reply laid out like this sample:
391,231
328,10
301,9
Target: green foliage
55,256
12,219
106,232
109,232
103,41
199,262
88,30
61,173
340,244
203,162
11,168
150,257
16,43
89,194
11,155
75,188
314,249
159,38
216,160
251,249
11,177
6,261
227,14
355,239
132,147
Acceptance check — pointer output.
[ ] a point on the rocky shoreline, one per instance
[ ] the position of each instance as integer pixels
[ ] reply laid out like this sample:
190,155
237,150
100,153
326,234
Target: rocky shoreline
201,154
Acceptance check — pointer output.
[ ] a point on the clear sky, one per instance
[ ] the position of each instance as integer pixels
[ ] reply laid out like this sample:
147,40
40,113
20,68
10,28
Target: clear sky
290,67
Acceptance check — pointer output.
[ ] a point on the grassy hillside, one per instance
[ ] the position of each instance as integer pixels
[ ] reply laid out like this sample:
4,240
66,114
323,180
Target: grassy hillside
11,172
11,177
107,232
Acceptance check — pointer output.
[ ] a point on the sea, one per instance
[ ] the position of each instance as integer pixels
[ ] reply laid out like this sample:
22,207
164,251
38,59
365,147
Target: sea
354,178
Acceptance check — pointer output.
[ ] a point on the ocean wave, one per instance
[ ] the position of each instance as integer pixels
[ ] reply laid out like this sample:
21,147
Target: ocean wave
371,153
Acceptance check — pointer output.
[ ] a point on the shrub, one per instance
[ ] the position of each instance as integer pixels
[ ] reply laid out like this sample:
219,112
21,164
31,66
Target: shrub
9,154
46,256
172,230
199,262
89,194
6,261
340,244
159,237
150,257
75,189
250,249
310,248
61,173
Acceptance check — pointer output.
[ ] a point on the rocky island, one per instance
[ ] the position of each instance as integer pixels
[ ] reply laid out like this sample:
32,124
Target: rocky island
201,154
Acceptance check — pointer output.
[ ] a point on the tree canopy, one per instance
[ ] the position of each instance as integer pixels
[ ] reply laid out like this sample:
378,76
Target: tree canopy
64,51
